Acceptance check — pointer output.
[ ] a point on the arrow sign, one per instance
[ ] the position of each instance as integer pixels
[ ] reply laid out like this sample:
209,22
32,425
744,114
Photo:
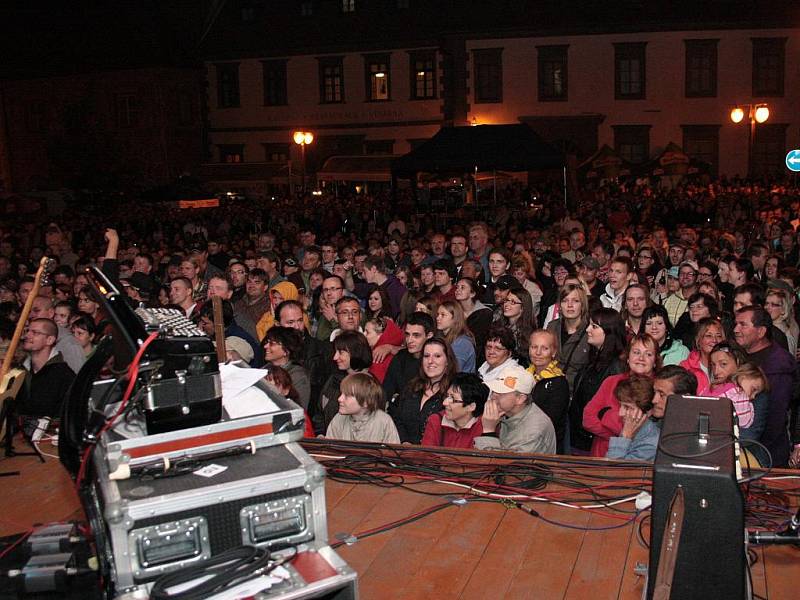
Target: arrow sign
793,160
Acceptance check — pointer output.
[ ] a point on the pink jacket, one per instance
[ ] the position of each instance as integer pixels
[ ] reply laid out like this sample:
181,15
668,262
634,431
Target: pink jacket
692,364
608,424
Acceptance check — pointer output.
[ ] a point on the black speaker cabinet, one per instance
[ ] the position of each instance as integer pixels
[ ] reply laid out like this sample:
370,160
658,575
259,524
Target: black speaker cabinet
696,453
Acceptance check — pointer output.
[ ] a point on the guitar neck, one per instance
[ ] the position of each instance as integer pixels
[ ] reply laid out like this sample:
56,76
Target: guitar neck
219,329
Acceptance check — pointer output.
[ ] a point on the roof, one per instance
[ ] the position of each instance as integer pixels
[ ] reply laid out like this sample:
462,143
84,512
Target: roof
481,147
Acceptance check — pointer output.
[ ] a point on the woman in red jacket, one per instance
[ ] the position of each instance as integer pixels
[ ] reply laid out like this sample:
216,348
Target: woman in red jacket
381,331
708,333
601,415
460,421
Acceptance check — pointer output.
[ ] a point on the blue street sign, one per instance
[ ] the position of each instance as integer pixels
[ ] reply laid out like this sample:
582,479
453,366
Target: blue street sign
793,160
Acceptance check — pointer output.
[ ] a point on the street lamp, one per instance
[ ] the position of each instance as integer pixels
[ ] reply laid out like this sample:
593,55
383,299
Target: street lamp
756,113
303,138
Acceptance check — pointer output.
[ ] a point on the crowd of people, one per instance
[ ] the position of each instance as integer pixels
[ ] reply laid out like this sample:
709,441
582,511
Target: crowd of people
527,327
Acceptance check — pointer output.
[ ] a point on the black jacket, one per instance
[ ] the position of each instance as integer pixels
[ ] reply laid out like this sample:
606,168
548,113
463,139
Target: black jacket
43,392
403,368
552,396
587,383
321,416
409,418
318,361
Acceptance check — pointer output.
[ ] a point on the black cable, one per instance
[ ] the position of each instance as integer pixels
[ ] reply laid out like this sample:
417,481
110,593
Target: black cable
228,569
691,434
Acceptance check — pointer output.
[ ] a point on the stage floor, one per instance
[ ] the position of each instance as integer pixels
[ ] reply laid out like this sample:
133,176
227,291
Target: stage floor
478,550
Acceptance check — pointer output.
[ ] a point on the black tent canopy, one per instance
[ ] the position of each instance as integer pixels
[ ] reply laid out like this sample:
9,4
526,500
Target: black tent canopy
485,147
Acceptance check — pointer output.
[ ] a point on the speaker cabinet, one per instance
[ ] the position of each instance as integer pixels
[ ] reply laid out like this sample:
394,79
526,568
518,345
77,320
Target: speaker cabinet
696,453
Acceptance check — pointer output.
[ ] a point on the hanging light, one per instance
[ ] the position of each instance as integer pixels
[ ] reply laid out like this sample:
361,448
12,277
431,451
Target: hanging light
737,114
762,113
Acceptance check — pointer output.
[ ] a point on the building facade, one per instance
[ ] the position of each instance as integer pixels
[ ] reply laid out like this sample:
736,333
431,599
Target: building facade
382,76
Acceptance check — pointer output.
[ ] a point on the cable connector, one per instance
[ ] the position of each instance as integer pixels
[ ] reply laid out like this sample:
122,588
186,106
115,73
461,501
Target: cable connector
346,538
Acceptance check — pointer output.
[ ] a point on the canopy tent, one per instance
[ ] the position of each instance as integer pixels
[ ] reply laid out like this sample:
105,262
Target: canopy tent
604,164
481,148
672,162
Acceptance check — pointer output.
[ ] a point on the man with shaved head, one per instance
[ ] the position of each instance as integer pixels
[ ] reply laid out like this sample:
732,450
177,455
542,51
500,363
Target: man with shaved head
48,377
67,345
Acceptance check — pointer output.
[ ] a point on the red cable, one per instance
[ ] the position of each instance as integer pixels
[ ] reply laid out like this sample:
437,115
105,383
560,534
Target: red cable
15,544
133,373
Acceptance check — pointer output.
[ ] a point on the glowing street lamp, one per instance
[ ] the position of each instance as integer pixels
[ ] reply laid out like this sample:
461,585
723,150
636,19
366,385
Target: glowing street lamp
756,113
303,138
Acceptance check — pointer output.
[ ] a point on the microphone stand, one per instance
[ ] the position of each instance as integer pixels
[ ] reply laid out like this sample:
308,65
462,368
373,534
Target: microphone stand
789,536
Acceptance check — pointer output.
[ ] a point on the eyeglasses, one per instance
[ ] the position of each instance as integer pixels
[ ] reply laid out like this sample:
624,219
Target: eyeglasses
272,343
512,301
496,348
645,256
348,313
452,400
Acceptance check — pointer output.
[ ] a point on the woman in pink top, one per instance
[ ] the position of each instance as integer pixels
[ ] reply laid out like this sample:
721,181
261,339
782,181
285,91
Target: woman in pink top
601,415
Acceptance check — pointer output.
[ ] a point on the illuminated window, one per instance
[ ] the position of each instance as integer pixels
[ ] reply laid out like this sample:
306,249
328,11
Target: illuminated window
377,76
306,8
276,153
231,153
422,66
348,6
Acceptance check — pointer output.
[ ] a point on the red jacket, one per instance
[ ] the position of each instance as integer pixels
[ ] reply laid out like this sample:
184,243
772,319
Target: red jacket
391,335
692,364
608,424
441,431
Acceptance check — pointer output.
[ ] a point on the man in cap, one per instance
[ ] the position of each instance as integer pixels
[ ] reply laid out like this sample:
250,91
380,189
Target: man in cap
511,421
588,268
678,301
198,252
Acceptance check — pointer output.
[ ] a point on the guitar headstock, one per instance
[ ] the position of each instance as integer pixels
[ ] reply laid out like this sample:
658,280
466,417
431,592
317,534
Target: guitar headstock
46,266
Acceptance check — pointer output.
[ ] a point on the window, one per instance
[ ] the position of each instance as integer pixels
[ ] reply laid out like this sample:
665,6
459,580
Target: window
275,83
228,85
331,83
769,150
306,8
127,110
422,66
629,71
415,143
701,68
701,142
379,147
632,142
376,67
278,153
401,4
488,75
769,60
348,6
231,153
552,73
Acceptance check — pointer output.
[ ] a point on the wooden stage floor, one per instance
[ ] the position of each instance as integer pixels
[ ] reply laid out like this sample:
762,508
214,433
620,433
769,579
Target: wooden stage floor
473,551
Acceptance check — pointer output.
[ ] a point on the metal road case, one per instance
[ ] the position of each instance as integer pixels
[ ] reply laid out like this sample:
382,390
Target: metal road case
147,526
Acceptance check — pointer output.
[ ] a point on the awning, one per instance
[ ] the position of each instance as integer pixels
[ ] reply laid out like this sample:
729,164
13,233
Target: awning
357,168
485,147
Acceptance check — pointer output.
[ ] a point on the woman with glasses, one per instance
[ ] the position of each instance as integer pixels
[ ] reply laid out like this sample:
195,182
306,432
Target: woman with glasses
424,395
601,415
606,336
570,331
647,264
700,306
283,347
655,322
500,348
459,423
708,333
518,318
452,326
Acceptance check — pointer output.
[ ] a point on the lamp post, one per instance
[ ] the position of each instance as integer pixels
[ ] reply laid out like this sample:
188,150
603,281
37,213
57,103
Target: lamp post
756,113
303,138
